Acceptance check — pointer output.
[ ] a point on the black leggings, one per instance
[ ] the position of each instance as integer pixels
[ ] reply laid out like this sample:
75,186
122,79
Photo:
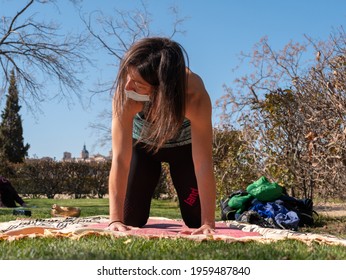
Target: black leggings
144,176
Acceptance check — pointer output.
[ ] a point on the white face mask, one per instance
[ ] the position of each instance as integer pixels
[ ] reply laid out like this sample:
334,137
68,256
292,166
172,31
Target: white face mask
136,96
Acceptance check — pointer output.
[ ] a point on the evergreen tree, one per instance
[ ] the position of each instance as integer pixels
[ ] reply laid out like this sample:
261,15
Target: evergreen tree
12,147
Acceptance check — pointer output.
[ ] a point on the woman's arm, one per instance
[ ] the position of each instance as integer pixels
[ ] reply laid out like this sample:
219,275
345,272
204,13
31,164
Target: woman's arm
121,158
199,111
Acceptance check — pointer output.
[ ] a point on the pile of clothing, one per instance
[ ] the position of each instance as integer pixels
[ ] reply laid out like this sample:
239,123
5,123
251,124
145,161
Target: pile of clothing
268,205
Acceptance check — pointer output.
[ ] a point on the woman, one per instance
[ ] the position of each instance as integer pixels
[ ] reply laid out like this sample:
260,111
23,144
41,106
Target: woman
161,113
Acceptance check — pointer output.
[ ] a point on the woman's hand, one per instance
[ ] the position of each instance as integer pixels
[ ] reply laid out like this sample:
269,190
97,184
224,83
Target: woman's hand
204,229
118,226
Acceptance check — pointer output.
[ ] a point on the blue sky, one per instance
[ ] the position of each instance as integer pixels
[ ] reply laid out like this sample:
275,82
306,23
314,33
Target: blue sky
216,32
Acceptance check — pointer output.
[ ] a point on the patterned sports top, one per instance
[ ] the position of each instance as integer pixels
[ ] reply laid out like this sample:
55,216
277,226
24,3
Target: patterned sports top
142,126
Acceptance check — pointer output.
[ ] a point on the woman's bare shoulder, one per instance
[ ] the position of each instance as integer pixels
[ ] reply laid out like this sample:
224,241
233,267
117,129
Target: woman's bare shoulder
197,96
194,81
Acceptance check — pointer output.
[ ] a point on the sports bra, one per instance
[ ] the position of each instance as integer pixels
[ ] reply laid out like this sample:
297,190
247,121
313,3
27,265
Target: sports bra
141,128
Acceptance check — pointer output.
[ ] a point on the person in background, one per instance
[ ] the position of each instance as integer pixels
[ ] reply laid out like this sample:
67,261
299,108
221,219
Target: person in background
8,195
161,113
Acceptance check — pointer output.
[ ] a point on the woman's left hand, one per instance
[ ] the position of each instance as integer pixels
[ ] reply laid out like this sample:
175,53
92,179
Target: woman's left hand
204,229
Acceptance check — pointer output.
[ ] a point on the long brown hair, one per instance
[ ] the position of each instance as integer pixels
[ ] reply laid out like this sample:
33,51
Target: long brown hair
161,63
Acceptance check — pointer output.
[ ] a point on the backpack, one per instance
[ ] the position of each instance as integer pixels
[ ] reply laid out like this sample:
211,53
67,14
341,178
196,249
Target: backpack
227,213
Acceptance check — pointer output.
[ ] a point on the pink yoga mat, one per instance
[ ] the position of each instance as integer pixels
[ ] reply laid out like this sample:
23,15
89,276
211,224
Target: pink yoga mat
169,228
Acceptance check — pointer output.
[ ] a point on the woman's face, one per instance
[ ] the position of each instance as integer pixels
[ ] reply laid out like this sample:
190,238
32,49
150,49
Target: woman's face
134,82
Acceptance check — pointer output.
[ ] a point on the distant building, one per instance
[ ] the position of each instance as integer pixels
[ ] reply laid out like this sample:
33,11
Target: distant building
84,154
85,157
67,156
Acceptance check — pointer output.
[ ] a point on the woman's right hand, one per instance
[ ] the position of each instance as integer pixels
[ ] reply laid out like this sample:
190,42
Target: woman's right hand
118,226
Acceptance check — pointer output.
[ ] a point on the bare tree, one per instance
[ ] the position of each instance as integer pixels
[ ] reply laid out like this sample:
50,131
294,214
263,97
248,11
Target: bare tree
324,92
292,113
38,54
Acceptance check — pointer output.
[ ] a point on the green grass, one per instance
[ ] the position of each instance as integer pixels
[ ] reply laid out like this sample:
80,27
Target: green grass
129,248
97,248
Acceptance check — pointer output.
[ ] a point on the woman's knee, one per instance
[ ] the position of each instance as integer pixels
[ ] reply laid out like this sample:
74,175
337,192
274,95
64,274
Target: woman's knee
131,221
192,223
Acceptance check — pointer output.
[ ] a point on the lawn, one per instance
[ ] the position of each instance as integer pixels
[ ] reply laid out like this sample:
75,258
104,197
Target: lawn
108,248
